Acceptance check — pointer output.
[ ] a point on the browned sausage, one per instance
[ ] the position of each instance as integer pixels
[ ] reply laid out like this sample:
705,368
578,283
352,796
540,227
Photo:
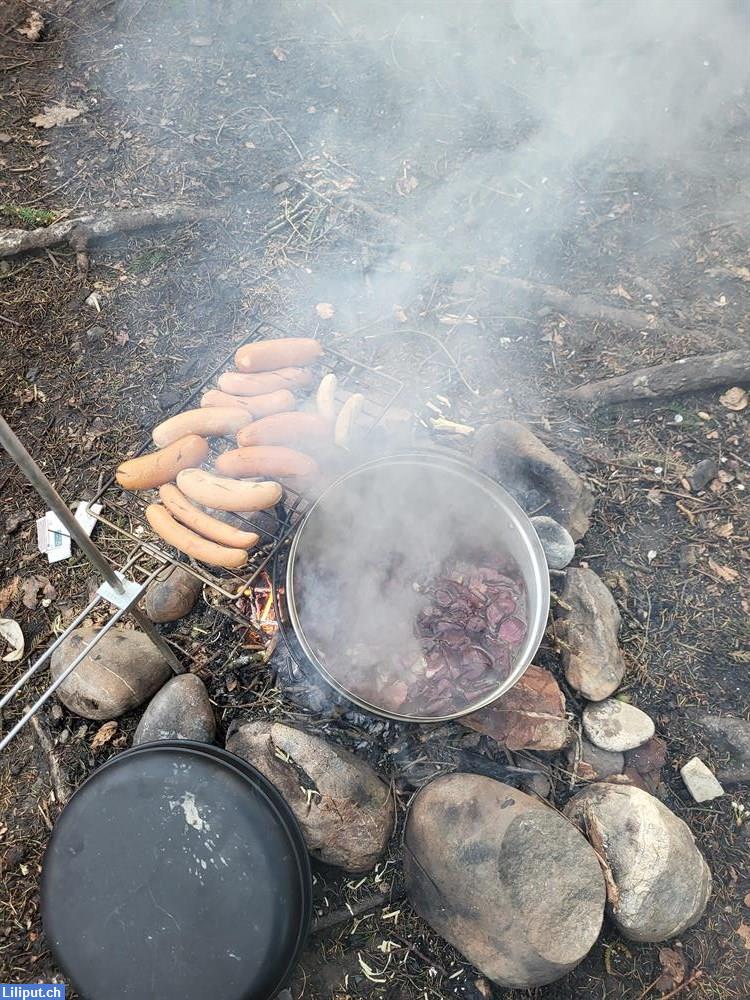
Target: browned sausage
191,544
210,527
210,421
258,406
242,384
147,471
266,460
268,355
298,430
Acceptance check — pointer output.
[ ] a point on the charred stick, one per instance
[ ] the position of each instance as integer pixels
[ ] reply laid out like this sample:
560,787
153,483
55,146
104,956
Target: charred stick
365,905
704,371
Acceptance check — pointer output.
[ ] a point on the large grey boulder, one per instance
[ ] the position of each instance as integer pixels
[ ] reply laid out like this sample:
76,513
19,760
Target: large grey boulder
346,812
505,879
658,883
121,672
591,657
512,454
181,710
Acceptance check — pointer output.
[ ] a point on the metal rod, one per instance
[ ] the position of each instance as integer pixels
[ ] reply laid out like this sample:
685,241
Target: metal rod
153,633
48,652
52,498
58,680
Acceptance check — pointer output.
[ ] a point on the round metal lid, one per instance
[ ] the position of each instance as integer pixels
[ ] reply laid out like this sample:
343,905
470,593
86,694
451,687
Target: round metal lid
176,871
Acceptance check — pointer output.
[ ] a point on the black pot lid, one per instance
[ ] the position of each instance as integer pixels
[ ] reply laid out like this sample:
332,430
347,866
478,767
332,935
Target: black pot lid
176,871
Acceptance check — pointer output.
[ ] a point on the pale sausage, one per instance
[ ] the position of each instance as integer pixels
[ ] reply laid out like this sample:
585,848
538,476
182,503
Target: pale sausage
266,460
191,544
211,421
242,384
228,494
210,527
299,430
268,355
258,406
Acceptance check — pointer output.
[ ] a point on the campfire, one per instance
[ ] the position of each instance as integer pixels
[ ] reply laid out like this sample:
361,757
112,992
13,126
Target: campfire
373,598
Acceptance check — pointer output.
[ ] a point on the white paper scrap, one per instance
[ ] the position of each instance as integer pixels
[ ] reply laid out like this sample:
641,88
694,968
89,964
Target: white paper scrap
52,538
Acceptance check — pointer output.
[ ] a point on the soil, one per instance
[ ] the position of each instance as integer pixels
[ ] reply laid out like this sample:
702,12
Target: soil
245,108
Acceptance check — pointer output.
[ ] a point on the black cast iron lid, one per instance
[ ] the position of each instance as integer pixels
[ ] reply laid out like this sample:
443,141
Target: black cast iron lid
176,871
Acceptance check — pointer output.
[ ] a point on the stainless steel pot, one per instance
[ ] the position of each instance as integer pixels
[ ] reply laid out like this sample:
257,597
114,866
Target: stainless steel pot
426,501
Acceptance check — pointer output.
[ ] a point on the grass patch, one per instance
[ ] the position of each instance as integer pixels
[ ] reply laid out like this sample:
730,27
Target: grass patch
34,217
148,260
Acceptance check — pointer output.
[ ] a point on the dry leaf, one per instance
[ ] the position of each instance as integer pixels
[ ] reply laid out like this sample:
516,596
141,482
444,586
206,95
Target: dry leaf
744,932
280,54
121,338
747,901
10,632
739,272
104,734
8,593
655,497
32,27
725,573
55,114
673,970
620,291
726,477
399,314
325,310
735,399
724,530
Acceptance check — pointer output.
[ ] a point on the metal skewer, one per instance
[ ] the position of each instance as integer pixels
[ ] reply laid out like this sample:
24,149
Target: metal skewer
117,588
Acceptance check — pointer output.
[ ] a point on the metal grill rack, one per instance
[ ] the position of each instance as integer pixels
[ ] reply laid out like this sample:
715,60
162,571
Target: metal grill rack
124,511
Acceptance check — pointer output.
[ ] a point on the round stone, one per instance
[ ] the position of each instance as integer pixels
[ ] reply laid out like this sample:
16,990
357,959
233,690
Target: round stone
616,726
559,547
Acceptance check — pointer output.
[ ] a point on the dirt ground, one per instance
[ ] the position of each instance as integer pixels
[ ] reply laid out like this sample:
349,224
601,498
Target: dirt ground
244,110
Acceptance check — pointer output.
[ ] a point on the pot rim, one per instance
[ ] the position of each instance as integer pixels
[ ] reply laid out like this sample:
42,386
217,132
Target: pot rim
536,566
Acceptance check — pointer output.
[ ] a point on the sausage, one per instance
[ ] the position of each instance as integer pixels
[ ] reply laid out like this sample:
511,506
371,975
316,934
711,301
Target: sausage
213,421
228,494
306,430
210,527
258,406
268,355
347,418
241,384
266,460
324,398
147,471
191,544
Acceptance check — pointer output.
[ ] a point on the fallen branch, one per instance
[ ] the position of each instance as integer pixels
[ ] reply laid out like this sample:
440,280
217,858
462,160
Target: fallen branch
704,371
84,229
585,307
59,783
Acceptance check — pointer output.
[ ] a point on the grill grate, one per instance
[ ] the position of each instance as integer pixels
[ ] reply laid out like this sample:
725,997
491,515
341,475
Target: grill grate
124,510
